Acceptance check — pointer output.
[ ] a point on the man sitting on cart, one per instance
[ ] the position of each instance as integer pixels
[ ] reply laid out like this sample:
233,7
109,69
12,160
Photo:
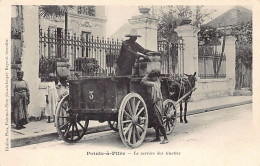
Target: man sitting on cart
129,54
152,80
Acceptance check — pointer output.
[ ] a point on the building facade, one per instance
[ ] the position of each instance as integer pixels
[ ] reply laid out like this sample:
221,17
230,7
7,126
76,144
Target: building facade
82,21
35,38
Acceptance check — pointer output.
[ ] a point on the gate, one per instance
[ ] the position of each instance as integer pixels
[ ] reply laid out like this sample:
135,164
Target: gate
172,58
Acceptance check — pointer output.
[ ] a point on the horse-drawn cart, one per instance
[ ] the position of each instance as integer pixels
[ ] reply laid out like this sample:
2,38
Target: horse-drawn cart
120,100
123,101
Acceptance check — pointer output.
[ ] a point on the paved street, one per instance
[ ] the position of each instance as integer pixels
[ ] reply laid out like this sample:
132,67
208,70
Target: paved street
222,137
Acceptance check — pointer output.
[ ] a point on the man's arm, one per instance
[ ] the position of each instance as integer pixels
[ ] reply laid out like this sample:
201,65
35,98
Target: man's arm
146,82
141,49
27,92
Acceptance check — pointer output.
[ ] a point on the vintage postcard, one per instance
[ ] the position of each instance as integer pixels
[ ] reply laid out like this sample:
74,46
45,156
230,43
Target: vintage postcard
133,82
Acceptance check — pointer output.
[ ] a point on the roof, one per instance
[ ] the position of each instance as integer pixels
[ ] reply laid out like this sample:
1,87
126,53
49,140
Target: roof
232,17
120,33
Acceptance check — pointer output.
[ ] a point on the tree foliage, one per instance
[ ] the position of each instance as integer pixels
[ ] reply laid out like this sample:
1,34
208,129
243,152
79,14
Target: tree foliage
243,33
167,23
172,16
209,35
52,11
47,12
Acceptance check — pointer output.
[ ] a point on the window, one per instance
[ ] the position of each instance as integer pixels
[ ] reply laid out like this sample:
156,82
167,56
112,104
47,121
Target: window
85,48
59,42
87,10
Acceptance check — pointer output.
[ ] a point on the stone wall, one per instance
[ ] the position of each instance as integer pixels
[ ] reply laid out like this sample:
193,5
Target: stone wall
207,88
211,88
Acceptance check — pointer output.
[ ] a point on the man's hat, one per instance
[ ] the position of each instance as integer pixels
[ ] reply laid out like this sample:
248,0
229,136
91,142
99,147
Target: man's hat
133,33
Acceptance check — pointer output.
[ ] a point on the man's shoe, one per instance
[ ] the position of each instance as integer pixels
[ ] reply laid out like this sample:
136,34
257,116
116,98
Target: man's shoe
165,141
156,140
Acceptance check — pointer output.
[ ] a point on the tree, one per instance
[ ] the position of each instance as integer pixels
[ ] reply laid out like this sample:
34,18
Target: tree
243,33
209,35
166,26
200,15
48,11
172,16
169,18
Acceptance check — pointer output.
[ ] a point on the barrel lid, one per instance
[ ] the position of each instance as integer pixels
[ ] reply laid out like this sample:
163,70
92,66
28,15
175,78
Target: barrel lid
153,53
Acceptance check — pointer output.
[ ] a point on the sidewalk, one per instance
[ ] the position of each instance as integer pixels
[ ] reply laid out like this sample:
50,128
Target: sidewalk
40,131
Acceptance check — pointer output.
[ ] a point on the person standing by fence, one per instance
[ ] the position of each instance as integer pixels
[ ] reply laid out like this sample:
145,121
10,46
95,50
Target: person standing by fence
51,98
62,91
20,100
62,88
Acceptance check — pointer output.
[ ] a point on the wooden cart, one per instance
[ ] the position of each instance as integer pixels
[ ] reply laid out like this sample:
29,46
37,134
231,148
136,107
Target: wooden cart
122,101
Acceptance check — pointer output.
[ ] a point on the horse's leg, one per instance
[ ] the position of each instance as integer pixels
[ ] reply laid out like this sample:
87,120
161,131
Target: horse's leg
181,112
185,111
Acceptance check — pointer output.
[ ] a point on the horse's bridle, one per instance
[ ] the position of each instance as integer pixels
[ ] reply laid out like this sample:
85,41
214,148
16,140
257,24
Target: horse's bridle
183,84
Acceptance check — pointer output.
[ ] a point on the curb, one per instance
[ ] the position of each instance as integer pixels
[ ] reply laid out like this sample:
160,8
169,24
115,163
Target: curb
51,136
54,136
198,111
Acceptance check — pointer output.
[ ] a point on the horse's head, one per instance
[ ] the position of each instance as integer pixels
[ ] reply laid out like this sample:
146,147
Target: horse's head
192,79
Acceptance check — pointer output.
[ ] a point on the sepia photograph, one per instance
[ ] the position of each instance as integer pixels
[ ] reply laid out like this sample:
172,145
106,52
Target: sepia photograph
127,84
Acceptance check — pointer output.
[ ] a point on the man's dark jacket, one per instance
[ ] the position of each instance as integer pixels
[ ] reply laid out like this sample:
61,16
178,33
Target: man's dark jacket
128,56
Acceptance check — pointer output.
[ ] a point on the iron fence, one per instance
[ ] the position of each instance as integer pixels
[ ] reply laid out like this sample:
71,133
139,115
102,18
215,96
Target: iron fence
211,64
85,55
91,55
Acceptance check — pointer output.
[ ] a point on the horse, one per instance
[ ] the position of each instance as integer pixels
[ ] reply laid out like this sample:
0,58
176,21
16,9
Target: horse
178,88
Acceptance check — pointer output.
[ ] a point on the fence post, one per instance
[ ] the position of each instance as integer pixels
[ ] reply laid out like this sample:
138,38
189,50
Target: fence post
30,56
146,26
190,40
230,52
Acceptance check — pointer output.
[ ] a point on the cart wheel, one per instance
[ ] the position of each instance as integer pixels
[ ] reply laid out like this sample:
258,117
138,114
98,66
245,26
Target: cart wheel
169,116
113,125
70,127
132,120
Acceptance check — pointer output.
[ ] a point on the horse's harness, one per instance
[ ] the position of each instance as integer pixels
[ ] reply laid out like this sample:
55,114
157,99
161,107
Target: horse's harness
183,81
181,84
